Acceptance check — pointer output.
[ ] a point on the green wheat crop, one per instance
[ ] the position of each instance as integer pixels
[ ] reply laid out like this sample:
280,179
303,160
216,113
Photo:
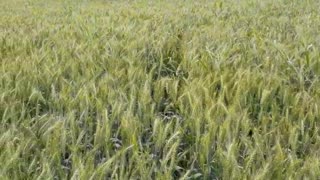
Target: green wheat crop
177,89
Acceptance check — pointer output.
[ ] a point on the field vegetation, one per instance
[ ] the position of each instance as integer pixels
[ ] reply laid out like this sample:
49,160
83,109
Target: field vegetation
175,89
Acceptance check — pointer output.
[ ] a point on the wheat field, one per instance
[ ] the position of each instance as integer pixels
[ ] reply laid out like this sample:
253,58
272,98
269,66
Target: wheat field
180,89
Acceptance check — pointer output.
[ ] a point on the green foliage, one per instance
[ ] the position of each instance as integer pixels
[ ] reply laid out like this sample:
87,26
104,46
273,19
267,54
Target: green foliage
159,89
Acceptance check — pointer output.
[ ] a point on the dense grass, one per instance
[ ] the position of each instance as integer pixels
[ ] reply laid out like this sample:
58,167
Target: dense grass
159,89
